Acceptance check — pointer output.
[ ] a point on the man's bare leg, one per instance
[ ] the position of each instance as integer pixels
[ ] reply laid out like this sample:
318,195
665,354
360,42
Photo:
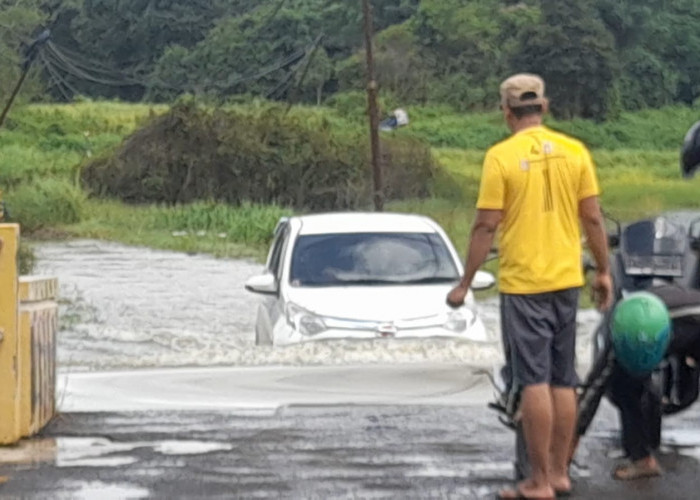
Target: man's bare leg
537,419
563,430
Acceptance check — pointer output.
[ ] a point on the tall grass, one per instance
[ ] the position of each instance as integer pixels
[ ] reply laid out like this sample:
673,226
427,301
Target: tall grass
43,149
45,203
218,229
634,184
95,118
46,140
650,130
252,224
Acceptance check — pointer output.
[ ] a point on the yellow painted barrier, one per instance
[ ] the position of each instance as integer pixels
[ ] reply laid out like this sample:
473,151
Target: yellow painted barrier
9,346
29,321
38,323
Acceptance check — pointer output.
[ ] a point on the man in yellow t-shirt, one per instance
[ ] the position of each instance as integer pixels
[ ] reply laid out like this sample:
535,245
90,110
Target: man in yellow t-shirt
537,188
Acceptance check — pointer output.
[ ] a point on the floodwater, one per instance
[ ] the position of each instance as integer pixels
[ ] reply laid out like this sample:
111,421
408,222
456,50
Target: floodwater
124,307
269,425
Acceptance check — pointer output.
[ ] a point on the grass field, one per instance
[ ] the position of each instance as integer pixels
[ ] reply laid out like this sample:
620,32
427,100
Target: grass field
43,148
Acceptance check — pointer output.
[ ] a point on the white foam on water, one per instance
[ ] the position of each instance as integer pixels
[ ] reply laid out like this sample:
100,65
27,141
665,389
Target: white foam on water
189,447
89,490
101,452
127,307
683,438
92,452
97,462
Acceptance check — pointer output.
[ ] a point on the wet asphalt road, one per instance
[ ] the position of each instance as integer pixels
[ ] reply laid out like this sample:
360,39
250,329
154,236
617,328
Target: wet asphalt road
374,452
318,451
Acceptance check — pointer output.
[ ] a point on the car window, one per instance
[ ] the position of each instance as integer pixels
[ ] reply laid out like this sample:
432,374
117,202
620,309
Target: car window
283,251
371,258
281,234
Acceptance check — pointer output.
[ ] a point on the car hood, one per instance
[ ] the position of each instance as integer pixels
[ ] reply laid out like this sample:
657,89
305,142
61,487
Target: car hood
373,303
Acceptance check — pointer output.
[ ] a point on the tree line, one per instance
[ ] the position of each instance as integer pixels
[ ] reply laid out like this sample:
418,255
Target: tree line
598,56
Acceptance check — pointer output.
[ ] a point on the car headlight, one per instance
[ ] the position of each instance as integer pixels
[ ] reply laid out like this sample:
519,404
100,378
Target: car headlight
459,320
303,321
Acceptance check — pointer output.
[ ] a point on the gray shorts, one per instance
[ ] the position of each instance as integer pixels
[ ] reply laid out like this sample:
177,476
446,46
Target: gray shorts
539,337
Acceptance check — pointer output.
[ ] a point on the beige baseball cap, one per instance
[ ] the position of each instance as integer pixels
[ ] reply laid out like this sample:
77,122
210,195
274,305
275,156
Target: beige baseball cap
523,89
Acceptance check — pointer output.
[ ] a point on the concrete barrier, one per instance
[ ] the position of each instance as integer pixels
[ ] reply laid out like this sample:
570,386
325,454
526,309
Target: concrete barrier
28,325
38,323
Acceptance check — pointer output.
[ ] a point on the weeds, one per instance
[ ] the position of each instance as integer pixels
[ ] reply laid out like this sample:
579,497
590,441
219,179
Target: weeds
45,147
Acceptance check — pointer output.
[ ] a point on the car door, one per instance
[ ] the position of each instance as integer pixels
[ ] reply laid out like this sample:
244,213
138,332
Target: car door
272,306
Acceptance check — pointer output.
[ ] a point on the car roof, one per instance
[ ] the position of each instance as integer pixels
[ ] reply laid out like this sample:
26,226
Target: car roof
365,222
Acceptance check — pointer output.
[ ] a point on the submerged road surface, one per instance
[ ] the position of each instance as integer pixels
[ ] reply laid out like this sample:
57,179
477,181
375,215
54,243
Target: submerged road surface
126,307
163,395
297,452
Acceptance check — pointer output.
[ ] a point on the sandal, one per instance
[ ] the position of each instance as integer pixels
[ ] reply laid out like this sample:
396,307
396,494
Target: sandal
631,471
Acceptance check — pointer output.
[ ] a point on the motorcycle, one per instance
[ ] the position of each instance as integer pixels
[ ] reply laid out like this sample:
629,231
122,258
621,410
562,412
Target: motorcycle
660,255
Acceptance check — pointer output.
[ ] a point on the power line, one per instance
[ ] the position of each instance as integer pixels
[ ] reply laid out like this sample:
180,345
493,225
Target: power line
83,62
86,69
309,59
282,87
68,66
30,53
56,79
82,70
268,70
61,62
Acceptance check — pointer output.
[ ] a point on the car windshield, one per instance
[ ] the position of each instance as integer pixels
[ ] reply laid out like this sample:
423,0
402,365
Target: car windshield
371,259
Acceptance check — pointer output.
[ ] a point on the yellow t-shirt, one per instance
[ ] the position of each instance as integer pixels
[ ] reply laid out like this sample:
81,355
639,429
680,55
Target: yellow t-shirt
537,178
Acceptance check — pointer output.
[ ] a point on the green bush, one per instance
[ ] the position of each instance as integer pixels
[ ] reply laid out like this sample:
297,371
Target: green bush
251,224
263,154
45,203
26,258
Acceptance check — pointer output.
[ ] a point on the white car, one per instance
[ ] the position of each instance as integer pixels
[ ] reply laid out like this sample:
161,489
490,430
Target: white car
362,276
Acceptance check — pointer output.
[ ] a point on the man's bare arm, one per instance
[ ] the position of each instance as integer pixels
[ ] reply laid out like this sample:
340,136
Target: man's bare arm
480,242
482,236
594,228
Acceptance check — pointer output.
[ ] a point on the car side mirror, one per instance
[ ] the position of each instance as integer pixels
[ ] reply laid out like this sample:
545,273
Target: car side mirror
264,283
483,280
613,240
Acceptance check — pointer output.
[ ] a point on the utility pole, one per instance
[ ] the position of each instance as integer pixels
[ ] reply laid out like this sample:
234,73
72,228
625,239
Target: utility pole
15,91
29,57
372,90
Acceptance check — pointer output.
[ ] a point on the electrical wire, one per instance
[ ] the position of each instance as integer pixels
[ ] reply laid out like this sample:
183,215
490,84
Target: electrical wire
293,58
83,62
60,60
58,81
311,53
82,71
66,64
282,87
95,72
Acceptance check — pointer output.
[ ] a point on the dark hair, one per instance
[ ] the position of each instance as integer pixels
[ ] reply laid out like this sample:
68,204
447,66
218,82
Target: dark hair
523,111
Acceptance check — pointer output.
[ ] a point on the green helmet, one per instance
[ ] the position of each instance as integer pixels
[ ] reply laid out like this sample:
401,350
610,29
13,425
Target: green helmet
641,332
